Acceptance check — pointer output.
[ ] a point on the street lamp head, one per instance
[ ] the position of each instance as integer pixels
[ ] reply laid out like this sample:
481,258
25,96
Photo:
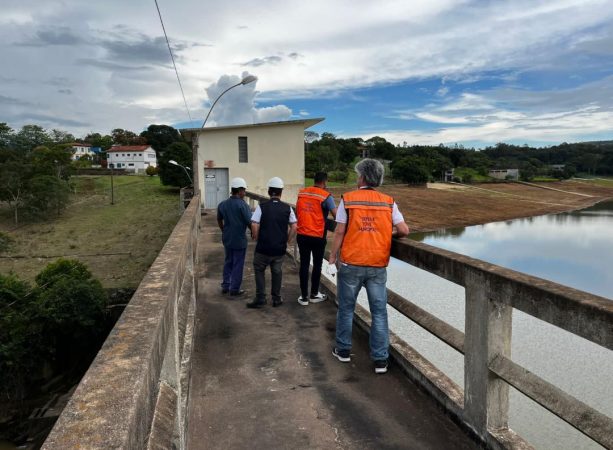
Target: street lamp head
173,162
249,79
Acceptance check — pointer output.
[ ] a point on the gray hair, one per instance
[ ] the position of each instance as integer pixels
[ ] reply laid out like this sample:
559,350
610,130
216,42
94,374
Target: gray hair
371,172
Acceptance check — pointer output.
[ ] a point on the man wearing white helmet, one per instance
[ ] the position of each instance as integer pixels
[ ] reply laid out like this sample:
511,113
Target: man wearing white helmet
273,224
233,218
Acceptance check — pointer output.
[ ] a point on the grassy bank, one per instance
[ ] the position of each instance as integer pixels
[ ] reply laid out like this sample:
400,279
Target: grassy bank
117,242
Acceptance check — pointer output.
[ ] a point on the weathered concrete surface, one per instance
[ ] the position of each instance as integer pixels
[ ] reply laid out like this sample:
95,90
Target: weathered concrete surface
265,379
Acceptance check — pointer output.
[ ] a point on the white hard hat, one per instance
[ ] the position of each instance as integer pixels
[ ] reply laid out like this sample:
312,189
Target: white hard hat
275,182
238,182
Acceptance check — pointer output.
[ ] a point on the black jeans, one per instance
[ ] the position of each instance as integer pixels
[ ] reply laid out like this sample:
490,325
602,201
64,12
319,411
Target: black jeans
306,246
260,262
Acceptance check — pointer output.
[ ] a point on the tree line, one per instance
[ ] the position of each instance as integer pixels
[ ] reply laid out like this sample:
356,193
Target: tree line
422,163
36,164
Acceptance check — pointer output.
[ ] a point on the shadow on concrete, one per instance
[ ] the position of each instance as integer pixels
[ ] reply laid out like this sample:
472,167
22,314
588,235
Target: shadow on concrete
266,379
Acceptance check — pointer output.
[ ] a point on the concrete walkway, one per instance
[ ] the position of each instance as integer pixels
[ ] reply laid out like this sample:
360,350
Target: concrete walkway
266,379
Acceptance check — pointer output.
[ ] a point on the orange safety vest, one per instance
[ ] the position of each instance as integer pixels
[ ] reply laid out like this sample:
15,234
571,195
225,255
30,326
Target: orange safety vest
368,236
309,212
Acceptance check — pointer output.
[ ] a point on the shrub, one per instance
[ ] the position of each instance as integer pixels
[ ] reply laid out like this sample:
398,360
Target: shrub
5,242
339,176
151,171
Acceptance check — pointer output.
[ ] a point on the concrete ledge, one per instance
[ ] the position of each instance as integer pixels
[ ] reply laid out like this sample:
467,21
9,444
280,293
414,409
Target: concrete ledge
163,426
113,406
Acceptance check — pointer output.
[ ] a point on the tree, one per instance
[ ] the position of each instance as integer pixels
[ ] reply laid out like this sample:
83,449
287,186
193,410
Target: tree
172,175
125,137
161,136
55,324
56,161
15,173
61,137
46,193
97,140
30,137
6,136
411,170
381,149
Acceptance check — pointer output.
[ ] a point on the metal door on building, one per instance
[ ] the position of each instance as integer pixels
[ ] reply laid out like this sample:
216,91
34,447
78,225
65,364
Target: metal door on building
216,187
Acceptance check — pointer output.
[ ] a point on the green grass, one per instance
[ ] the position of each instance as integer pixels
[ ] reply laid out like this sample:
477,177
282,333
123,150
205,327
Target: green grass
351,180
545,179
117,242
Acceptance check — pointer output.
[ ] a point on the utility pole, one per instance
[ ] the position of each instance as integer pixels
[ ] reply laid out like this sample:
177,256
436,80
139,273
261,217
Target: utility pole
112,190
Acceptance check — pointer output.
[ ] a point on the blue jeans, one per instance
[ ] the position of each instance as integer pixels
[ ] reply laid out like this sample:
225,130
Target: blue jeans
350,281
233,268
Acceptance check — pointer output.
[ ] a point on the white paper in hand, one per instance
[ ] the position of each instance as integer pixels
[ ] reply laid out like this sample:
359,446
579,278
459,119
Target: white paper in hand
331,270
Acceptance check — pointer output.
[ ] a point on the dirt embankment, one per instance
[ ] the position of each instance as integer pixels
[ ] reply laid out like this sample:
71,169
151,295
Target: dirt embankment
447,205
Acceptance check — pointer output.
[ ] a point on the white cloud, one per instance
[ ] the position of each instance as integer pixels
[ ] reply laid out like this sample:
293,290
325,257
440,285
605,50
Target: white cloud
116,54
237,106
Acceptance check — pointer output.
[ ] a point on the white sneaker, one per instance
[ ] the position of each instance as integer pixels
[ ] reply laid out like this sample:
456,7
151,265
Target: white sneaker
318,298
303,302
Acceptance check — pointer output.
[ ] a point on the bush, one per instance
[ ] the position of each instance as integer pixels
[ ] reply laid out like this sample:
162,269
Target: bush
338,176
151,171
6,242
56,325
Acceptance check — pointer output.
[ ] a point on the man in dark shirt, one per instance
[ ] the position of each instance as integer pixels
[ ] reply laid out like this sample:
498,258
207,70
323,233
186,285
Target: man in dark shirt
233,218
273,224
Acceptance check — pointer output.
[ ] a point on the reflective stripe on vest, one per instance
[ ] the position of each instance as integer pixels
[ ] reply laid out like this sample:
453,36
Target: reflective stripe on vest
309,211
368,235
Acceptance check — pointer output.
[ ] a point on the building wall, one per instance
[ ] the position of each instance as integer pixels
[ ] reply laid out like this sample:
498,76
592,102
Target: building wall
138,158
78,151
273,151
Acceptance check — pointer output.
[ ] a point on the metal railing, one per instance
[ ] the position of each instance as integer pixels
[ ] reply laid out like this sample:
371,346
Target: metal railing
492,292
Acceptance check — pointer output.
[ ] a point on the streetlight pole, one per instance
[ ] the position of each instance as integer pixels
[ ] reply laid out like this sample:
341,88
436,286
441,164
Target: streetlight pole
196,141
248,79
174,163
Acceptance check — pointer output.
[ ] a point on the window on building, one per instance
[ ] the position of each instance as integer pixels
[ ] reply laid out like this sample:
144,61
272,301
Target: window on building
130,165
140,154
123,154
243,155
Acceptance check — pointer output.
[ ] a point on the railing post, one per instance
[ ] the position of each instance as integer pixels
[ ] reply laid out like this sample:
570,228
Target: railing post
487,334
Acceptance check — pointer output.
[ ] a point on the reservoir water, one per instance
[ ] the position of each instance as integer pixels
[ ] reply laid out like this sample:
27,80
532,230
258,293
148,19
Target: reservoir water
574,249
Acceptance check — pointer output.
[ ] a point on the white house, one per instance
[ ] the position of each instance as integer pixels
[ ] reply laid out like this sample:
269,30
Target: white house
131,157
255,152
504,174
79,150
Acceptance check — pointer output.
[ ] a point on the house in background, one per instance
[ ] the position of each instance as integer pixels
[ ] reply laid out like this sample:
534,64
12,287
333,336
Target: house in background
255,152
134,158
505,174
79,150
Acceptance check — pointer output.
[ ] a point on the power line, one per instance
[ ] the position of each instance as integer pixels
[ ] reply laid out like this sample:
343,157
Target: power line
173,59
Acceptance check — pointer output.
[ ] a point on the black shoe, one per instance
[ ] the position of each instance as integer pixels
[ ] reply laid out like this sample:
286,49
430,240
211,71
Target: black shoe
342,355
235,293
381,366
276,303
224,291
256,303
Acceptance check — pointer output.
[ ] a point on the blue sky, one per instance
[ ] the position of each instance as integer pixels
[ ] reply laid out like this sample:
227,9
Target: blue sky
472,72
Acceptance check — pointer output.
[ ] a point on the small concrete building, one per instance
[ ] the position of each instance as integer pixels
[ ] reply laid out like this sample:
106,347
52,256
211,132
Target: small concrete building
133,158
255,152
505,174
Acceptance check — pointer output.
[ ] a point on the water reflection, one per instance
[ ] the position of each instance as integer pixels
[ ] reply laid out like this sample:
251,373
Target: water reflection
575,248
